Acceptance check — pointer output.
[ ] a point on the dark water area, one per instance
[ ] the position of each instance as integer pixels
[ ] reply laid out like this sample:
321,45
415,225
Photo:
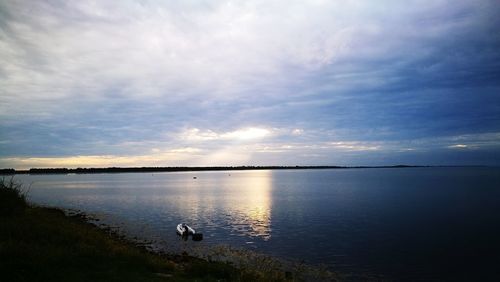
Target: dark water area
395,224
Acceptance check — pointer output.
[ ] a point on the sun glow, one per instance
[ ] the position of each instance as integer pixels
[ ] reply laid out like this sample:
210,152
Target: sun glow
247,134
250,133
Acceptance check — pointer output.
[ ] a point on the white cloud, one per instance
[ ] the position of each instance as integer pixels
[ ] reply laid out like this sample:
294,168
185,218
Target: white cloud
196,134
354,146
243,134
251,133
53,52
189,150
458,146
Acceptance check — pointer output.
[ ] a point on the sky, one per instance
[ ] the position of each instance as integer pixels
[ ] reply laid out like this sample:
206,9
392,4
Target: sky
205,83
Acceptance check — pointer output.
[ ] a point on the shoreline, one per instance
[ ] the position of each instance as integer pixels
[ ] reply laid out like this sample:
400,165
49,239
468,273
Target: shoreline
11,171
49,244
251,263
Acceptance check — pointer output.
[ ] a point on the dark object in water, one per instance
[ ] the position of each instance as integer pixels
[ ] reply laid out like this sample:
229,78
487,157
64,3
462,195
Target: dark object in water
184,230
197,237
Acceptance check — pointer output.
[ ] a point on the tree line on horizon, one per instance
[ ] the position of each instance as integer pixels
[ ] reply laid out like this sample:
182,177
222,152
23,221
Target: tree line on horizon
7,171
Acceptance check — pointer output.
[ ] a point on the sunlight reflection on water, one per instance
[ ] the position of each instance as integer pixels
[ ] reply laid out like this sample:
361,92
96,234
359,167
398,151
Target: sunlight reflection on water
236,204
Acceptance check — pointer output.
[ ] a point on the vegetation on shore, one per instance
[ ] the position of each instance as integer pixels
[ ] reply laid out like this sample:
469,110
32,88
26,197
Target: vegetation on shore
44,244
11,171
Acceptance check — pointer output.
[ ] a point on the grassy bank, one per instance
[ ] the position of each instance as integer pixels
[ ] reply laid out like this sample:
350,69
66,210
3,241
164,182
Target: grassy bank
44,244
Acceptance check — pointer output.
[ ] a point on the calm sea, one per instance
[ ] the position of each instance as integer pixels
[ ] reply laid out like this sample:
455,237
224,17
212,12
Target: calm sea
399,223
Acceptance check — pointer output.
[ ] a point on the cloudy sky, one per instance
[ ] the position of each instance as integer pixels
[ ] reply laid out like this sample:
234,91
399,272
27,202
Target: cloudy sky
174,83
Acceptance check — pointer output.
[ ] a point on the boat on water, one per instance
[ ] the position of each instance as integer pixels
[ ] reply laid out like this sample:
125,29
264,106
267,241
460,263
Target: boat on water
185,230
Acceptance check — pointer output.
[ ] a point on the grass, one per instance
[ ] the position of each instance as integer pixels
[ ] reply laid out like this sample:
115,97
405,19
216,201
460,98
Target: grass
44,244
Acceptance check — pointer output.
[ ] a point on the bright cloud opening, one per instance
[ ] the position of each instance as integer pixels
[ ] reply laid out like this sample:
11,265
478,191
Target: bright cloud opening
458,146
244,134
247,134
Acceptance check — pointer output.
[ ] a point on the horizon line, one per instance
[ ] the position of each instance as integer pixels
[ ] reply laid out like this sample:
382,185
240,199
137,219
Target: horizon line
62,170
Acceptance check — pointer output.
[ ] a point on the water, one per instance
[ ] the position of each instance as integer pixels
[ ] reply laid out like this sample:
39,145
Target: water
411,223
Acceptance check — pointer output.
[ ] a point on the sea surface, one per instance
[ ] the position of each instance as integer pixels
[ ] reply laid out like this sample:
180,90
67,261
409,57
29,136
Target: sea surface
393,223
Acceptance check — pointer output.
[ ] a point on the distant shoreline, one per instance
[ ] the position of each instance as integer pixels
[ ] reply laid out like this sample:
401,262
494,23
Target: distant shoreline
11,171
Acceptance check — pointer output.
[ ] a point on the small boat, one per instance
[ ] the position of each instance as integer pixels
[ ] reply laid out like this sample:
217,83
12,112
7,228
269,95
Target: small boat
184,230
